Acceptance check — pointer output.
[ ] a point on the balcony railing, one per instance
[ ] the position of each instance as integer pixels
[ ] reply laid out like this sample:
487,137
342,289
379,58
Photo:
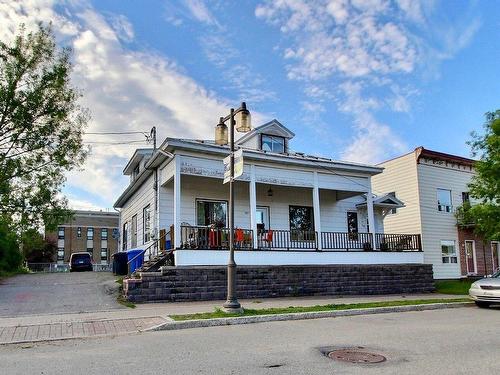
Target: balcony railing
200,237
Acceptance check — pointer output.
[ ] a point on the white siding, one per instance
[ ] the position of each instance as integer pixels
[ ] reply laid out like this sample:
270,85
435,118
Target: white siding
400,176
333,212
134,206
438,225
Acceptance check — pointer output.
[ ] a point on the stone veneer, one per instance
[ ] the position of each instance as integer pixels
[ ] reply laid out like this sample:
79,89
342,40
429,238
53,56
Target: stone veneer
209,283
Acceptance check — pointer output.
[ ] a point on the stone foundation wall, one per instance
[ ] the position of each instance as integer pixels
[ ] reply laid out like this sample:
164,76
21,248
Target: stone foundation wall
209,283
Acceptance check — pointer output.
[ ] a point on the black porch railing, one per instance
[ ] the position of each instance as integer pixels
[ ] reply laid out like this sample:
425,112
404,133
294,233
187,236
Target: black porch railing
346,241
398,242
287,240
199,237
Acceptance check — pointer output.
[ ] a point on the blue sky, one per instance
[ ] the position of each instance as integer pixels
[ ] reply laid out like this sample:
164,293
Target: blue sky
355,80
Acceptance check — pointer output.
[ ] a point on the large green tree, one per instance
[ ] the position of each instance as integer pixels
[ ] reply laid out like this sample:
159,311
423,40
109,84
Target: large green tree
41,127
485,186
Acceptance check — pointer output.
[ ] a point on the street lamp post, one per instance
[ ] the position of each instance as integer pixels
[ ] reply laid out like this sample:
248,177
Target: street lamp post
241,119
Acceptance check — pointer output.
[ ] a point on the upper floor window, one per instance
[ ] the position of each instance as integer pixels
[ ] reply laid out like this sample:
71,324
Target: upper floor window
444,200
60,233
272,143
104,233
465,196
147,223
90,233
79,232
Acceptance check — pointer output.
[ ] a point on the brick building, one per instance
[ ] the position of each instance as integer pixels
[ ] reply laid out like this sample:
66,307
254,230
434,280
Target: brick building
95,232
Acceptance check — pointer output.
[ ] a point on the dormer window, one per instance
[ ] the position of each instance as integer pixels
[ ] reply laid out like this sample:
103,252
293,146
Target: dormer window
273,143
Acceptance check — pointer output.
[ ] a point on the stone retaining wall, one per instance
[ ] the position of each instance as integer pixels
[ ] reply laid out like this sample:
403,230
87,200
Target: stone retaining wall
209,283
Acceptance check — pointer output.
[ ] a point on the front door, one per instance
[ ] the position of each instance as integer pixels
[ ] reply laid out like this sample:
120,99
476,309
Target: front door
470,257
262,218
495,254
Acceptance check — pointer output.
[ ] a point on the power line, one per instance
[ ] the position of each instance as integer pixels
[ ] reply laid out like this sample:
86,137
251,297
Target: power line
116,133
116,143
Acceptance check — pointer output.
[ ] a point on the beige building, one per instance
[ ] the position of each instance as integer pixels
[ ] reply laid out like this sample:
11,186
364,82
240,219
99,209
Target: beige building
432,185
95,232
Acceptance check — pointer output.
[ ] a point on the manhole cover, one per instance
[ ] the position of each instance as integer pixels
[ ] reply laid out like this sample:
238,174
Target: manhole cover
355,356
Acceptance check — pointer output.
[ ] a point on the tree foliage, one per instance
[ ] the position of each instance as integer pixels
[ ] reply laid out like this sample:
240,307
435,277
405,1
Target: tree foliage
485,185
10,257
36,249
41,127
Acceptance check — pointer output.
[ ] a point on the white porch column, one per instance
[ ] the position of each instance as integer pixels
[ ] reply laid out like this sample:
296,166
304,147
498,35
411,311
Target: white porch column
369,206
253,205
177,202
316,209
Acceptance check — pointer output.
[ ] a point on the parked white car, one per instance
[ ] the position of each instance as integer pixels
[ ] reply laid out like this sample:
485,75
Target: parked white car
486,291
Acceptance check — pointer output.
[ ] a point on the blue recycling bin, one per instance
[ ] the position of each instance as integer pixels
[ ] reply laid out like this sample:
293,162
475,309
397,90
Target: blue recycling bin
132,255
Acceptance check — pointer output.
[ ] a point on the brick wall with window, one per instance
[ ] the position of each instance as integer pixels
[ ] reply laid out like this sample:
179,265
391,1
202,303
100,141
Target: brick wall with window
483,252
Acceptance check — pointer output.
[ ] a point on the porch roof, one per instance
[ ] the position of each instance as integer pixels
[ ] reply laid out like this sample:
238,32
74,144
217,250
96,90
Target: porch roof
384,200
293,158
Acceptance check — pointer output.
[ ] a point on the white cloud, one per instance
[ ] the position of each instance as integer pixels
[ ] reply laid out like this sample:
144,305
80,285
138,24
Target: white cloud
200,12
348,50
125,90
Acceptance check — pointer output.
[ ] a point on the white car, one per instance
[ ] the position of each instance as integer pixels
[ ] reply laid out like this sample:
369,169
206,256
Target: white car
486,291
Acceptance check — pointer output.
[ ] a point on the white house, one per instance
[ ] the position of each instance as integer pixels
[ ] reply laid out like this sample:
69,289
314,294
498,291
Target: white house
433,184
290,208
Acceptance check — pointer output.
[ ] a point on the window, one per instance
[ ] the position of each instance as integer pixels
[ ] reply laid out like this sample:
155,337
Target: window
60,233
147,223
124,239
104,254
134,231
79,232
90,250
104,233
90,233
211,213
272,143
444,200
301,223
448,252
60,254
465,196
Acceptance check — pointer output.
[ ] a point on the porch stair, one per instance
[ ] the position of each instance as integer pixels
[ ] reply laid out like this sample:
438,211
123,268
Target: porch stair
154,263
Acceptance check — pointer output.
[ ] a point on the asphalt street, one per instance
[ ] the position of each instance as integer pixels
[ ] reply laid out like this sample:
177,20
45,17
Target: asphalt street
51,293
455,341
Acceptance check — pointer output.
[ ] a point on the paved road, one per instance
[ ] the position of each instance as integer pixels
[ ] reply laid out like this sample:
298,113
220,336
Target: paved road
457,341
47,293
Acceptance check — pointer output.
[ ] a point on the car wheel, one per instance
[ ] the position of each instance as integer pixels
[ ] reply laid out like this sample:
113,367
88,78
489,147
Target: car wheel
482,304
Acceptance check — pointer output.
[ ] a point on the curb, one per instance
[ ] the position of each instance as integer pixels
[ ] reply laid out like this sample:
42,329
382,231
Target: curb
200,323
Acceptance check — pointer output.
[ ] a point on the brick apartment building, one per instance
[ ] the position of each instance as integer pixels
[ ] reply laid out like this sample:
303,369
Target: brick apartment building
95,232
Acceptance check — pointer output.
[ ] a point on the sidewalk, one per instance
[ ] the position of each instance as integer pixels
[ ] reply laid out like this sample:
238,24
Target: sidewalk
145,316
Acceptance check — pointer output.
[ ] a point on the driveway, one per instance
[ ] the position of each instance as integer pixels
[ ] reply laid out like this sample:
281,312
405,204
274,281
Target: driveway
52,293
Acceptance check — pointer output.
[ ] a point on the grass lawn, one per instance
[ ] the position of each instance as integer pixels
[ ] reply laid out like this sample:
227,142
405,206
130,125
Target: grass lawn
218,313
453,286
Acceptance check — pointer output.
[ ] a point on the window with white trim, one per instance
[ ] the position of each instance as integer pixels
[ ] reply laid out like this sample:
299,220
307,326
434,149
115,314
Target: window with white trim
147,223
104,254
60,253
444,200
90,233
60,233
272,143
448,252
104,233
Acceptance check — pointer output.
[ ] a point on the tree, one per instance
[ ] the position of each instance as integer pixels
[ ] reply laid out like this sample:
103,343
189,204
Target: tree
41,127
10,256
36,249
485,185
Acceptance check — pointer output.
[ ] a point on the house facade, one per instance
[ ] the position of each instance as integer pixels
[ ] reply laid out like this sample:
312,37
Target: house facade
432,185
290,208
95,232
